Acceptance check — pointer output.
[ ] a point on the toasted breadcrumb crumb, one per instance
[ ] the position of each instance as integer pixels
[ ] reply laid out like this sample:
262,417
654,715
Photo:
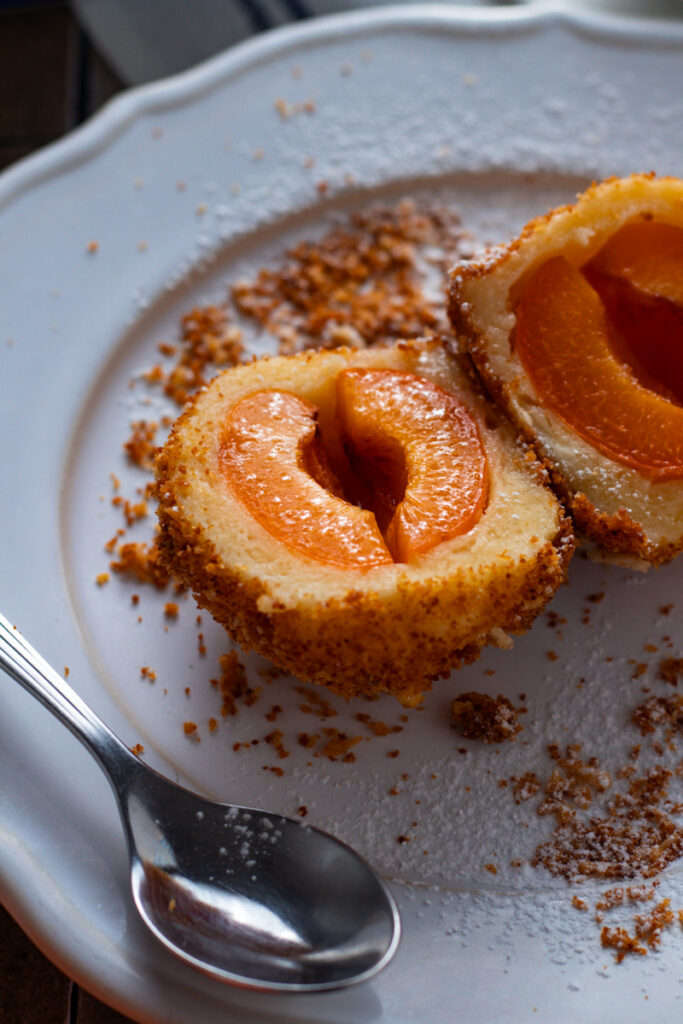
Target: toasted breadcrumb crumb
525,786
140,561
656,712
634,835
670,670
140,445
339,745
359,285
234,685
480,717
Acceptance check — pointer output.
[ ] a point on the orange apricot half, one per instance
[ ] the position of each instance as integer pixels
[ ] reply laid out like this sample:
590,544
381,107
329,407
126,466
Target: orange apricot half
649,255
562,336
638,275
419,452
274,466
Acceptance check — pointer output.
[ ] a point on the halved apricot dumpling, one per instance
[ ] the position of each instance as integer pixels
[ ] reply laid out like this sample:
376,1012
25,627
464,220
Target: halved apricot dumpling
577,329
267,467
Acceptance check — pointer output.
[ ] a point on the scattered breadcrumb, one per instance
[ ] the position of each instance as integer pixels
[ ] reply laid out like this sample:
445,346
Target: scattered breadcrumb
316,703
140,445
234,685
377,727
140,561
648,932
132,510
359,285
525,786
618,939
670,670
660,712
287,110
480,717
339,745
275,739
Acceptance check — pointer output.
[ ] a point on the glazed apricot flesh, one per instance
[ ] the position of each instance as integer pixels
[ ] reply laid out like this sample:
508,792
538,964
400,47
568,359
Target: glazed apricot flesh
418,449
649,255
638,275
414,473
272,463
603,346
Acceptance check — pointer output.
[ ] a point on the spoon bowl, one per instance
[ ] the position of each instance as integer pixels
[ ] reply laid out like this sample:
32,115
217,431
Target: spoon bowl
247,896
262,899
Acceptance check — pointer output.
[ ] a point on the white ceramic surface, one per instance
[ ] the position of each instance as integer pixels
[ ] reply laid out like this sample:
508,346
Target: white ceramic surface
502,114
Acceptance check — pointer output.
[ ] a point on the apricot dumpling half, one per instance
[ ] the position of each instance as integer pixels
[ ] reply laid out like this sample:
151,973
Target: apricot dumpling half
576,327
361,518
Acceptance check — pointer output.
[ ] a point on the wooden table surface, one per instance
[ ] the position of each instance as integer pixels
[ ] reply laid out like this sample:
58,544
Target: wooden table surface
51,79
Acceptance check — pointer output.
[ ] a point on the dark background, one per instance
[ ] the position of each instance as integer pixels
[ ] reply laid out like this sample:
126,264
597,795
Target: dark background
51,79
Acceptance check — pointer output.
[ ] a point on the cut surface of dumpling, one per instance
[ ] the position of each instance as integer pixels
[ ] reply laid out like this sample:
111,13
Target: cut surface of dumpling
362,518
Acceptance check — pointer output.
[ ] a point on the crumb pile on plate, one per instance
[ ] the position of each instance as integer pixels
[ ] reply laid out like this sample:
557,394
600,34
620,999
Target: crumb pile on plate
263,532
576,327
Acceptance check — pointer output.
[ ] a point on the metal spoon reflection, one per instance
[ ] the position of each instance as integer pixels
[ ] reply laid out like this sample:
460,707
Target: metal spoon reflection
246,896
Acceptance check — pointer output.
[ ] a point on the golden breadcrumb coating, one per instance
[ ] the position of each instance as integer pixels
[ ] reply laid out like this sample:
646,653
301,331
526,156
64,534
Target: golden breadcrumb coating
395,627
615,505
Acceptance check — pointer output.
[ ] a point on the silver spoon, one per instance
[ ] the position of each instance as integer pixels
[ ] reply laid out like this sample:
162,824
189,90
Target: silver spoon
246,896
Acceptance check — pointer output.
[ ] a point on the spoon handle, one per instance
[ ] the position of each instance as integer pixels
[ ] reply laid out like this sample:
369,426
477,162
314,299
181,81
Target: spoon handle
24,664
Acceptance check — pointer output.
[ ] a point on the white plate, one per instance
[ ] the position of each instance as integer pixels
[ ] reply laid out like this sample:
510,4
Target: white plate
504,113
